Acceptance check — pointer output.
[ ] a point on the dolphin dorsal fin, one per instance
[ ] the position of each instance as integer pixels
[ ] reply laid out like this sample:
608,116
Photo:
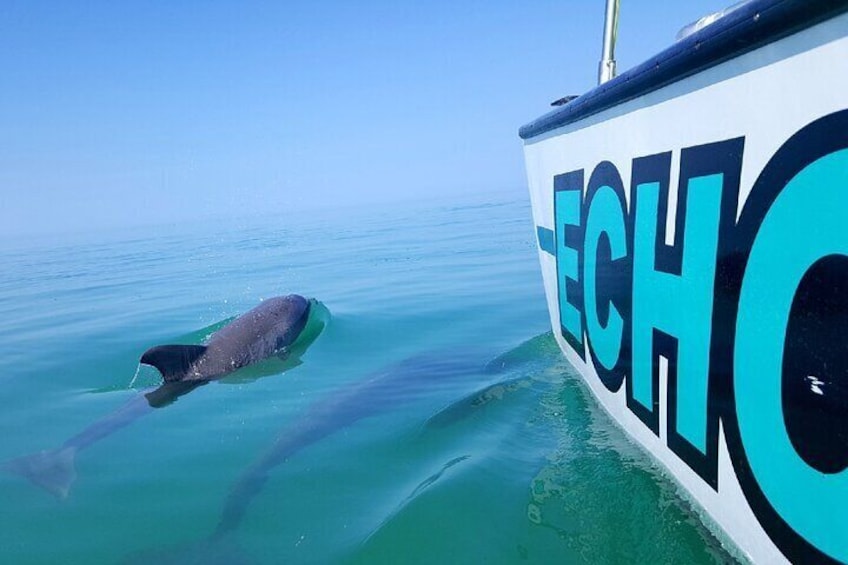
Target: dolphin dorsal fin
173,361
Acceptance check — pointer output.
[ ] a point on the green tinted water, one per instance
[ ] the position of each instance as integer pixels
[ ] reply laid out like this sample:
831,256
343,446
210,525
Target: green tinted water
507,466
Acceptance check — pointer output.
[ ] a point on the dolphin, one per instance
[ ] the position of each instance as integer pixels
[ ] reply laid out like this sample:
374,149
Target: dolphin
260,333
279,326
388,388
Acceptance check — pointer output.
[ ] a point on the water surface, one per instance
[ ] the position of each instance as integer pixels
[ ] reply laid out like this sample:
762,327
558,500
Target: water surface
464,472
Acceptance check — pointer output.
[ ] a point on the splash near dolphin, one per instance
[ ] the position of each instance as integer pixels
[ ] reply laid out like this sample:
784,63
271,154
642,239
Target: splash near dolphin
281,327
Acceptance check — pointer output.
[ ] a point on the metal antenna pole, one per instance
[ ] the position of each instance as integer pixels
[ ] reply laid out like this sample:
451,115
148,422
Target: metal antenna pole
606,70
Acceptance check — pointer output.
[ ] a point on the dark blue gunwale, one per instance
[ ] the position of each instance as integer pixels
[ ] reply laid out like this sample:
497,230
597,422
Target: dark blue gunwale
751,26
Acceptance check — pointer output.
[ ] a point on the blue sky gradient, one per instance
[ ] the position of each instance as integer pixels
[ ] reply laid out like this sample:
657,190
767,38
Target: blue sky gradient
133,113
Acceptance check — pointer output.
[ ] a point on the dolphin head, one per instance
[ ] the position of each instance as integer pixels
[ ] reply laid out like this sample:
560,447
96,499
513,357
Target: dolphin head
288,315
292,305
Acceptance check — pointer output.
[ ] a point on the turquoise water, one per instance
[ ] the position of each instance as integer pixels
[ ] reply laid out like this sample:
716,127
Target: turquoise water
509,463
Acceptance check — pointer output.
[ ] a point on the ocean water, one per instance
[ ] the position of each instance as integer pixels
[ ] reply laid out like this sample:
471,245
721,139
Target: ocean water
455,459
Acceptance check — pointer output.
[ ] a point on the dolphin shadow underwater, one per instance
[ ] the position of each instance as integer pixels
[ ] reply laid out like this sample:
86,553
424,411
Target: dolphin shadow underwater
268,339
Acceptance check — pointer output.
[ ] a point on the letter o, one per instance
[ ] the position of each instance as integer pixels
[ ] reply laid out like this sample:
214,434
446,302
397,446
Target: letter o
805,222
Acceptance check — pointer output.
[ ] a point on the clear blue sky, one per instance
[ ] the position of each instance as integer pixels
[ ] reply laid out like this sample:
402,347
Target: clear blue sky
127,113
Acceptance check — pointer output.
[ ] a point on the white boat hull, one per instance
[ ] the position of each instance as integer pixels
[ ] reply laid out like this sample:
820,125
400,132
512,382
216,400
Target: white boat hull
682,335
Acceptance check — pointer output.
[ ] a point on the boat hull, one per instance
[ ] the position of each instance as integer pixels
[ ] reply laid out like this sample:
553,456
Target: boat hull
693,239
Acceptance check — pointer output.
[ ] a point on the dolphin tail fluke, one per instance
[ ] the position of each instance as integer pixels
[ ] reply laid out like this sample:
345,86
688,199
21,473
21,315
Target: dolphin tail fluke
52,470
173,361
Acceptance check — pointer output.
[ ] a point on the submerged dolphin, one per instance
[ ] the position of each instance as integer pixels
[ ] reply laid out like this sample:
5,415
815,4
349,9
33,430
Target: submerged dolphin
390,388
279,326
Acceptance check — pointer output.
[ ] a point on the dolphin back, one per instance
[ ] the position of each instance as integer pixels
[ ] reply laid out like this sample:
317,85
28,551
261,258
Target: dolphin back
173,361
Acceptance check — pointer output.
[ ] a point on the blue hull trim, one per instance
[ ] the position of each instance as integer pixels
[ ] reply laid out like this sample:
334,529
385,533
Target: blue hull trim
547,241
750,27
